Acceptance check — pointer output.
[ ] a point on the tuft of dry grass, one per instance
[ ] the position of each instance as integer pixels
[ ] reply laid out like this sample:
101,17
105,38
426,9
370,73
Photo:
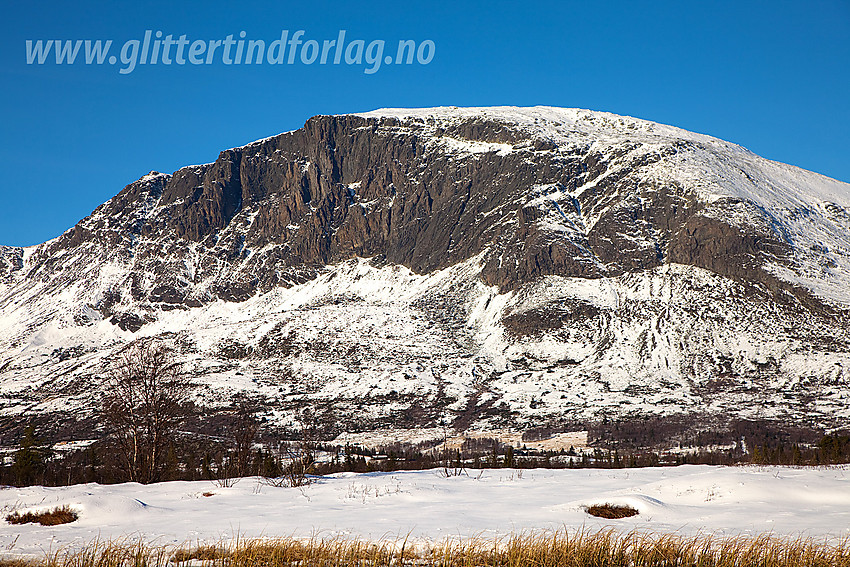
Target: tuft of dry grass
607,548
54,517
200,553
611,511
18,563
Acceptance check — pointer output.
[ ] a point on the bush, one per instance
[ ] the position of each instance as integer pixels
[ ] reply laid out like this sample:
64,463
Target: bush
611,511
55,517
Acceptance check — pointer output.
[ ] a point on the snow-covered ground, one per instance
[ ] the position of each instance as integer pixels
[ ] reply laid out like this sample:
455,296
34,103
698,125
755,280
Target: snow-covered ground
429,506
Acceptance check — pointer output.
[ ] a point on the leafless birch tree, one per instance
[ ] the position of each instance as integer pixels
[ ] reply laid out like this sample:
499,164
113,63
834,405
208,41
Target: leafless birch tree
145,402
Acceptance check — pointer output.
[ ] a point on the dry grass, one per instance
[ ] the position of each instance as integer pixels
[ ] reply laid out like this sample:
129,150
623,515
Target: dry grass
55,517
611,511
18,563
562,549
200,553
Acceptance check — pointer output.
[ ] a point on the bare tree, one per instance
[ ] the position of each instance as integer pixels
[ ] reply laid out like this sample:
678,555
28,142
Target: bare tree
241,428
145,402
299,455
244,430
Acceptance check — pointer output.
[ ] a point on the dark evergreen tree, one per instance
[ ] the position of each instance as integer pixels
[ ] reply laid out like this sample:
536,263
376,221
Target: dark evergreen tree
30,461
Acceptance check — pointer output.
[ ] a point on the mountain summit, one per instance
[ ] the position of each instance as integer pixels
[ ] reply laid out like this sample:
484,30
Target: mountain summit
502,266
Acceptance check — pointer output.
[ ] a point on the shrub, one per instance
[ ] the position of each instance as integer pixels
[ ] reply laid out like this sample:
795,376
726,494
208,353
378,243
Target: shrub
55,517
611,511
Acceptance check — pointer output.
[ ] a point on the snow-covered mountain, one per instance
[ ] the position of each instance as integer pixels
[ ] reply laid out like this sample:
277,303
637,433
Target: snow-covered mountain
469,265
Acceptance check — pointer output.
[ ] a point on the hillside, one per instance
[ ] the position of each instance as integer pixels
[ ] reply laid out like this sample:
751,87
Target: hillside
465,266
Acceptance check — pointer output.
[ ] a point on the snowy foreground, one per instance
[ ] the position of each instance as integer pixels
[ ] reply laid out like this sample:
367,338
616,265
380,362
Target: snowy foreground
429,506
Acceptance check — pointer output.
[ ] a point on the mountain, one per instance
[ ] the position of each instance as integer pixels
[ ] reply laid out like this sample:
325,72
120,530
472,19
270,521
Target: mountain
468,266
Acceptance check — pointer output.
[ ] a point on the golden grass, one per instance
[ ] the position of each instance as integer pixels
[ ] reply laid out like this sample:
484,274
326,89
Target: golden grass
18,563
606,548
54,517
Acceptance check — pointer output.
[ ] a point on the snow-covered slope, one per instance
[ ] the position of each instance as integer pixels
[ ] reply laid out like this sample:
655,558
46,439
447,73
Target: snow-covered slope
463,265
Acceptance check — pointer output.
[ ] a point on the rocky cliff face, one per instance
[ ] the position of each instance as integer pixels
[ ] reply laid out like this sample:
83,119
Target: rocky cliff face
464,264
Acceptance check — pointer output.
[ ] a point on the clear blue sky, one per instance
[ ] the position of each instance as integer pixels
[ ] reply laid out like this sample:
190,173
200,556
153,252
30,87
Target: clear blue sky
773,76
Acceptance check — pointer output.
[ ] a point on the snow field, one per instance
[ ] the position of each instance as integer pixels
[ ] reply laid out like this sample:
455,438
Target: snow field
427,506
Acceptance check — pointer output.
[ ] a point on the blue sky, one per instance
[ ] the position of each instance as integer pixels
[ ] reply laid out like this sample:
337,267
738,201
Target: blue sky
772,76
